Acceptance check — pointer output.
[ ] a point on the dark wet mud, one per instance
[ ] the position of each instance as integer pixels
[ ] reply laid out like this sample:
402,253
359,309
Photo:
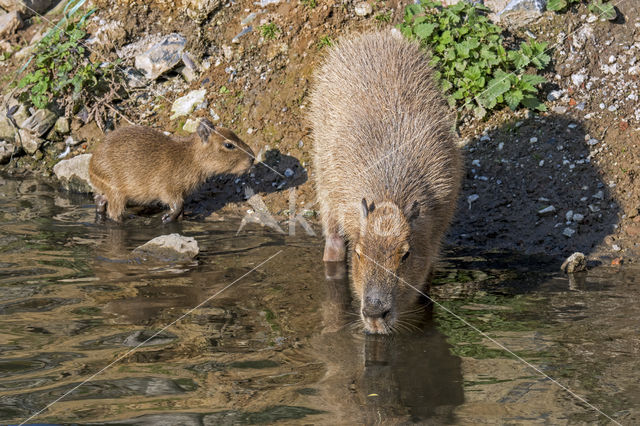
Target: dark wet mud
282,345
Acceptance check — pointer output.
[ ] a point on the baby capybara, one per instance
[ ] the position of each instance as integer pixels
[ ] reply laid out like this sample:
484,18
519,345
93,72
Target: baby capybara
387,169
142,165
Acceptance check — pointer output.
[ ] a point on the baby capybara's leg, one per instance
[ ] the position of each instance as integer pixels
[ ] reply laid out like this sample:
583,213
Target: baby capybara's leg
176,209
101,203
115,206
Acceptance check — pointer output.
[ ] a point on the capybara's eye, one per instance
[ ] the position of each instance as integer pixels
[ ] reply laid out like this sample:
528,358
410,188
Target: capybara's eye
405,256
229,145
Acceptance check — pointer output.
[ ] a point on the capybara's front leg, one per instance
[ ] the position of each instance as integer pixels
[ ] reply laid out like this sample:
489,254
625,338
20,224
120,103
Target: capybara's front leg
176,210
101,204
334,250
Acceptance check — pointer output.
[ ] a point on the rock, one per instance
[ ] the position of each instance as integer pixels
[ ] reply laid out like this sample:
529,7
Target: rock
135,78
30,142
574,263
633,230
190,69
288,173
73,173
471,198
191,125
6,151
40,122
363,9
547,211
568,232
62,126
199,10
244,31
172,248
559,109
578,79
162,56
518,13
27,8
569,215
577,217
186,104
7,130
598,195
10,23
554,95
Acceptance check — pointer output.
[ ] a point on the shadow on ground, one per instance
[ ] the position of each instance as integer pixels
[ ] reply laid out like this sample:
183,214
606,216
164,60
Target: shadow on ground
515,172
276,173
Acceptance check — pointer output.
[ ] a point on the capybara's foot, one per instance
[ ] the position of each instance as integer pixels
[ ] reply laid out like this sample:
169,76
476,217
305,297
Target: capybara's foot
101,204
335,270
334,250
173,214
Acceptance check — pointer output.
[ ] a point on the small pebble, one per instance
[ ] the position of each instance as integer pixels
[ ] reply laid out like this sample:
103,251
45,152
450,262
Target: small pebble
288,172
568,232
533,140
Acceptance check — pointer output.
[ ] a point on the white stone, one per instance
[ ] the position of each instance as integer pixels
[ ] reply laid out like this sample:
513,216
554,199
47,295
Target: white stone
577,217
73,173
191,125
568,232
363,9
547,211
172,247
569,215
578,79
162,56
186,104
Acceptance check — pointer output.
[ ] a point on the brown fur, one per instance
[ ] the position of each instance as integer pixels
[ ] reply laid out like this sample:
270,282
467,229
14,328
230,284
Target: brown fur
143,165
383,133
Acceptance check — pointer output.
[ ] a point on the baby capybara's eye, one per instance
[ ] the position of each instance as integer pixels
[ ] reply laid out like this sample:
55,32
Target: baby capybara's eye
229,145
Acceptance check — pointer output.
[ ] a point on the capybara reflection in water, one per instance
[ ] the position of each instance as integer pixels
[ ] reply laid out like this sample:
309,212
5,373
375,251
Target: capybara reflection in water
387,169
143,165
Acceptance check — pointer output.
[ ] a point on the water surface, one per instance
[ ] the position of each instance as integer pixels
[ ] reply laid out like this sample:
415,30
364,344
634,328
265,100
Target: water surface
281,344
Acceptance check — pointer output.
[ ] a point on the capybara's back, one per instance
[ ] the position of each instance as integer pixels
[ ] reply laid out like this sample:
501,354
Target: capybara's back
387,168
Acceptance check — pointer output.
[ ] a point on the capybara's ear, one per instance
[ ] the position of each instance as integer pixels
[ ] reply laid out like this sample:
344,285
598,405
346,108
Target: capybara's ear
205,128
365,209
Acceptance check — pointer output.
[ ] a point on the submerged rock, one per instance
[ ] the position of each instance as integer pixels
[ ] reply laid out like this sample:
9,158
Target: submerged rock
574,263
186,104
74,173
162,56
363,9
171,248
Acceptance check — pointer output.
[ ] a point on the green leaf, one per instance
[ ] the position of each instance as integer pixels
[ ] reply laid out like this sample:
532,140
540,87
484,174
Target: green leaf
513,98
556,5
532,102
533,79
603,10
423,31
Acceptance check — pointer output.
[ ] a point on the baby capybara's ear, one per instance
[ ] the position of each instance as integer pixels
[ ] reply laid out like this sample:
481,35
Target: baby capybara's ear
205,128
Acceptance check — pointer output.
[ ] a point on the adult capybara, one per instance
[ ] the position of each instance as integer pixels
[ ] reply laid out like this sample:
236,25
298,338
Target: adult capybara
387,169
142,165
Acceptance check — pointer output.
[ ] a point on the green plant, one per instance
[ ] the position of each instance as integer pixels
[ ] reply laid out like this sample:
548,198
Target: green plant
269,31
223,90
61,71
384,17
324,41
601,8
311,4
474,68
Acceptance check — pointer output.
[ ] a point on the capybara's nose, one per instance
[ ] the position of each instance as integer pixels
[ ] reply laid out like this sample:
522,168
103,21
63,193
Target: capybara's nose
375,308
